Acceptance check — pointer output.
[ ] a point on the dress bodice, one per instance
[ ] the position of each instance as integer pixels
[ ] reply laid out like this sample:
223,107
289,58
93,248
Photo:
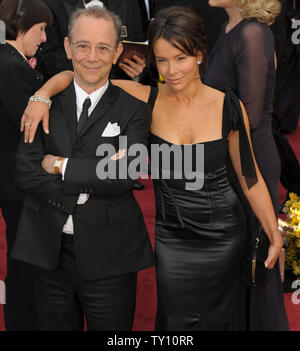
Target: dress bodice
215,152
186,176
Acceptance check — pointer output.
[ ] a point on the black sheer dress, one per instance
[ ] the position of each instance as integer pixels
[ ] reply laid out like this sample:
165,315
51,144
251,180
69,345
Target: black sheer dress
200,234
243,60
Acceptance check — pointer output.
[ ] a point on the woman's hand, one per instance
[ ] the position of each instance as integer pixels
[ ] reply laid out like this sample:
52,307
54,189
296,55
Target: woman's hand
133,68
274,252
120,154
35,113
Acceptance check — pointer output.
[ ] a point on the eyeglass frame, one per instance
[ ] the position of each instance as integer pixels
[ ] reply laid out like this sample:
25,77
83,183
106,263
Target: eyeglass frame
111,49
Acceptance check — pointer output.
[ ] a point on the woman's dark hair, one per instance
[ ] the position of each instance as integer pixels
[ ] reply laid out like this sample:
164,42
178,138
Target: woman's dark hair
21,15
182,28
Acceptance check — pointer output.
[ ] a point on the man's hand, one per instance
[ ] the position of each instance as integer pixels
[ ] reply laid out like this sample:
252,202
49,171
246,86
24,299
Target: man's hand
133,68
48,164
35,113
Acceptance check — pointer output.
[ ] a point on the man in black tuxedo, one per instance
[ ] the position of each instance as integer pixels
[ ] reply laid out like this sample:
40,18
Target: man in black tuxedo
86,235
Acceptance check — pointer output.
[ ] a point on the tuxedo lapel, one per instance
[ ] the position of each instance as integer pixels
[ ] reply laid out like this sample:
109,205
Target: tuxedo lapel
152,4
68,105
102,108
143,8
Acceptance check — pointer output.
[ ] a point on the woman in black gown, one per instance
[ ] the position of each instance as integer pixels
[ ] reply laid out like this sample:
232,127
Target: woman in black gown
243,60
200,232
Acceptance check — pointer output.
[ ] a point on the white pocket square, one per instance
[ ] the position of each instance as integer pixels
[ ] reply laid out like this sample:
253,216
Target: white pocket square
111,130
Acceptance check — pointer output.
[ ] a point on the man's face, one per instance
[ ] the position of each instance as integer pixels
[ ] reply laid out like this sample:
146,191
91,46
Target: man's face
93,49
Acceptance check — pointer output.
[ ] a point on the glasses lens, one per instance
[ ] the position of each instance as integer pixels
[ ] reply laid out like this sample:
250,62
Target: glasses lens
85,49
103,50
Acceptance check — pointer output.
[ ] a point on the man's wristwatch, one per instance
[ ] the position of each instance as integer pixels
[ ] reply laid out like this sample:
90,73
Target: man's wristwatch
57,164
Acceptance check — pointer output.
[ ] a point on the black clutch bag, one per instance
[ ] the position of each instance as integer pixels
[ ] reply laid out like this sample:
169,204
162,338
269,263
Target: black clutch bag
255,263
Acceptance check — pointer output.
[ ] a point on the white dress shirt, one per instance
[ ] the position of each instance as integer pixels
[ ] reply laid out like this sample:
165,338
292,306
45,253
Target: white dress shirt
81,95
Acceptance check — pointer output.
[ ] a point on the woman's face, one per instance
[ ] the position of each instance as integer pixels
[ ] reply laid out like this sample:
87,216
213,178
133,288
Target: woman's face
177,68
222,3
33,38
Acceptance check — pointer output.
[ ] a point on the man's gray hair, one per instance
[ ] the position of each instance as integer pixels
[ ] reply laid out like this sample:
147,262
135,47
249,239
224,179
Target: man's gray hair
96,12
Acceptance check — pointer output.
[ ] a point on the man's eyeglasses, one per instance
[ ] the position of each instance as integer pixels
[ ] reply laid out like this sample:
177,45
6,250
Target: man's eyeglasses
84,49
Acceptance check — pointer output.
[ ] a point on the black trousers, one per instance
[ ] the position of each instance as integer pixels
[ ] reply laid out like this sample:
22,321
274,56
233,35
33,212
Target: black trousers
19,310
64,298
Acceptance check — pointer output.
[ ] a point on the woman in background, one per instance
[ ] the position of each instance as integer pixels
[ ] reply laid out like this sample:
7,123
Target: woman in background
25,22
243,59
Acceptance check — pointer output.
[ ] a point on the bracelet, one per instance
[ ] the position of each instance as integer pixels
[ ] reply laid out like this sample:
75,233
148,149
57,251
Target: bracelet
40,98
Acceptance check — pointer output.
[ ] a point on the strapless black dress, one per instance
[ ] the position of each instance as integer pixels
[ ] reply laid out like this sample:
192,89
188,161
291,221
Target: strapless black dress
200,238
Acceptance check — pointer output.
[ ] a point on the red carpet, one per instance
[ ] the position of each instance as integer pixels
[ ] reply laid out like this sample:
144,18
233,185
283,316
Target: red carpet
146,293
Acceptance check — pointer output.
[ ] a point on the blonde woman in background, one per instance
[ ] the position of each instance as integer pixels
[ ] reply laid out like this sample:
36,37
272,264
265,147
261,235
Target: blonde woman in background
243,59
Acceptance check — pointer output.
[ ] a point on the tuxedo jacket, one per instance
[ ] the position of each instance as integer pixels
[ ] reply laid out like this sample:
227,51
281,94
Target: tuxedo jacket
51,56
18,81
110,236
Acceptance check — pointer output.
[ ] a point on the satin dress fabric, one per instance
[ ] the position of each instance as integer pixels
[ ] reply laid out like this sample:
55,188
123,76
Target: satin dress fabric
200,238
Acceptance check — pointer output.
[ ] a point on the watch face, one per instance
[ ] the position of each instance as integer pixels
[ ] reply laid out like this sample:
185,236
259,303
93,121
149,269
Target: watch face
57,165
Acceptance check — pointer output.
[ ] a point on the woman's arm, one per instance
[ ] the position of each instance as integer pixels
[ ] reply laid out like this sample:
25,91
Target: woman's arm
254,57
135,89
39,111
258,196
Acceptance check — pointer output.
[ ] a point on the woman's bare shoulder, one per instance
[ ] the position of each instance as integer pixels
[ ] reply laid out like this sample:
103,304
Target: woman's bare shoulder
135,89
214,95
